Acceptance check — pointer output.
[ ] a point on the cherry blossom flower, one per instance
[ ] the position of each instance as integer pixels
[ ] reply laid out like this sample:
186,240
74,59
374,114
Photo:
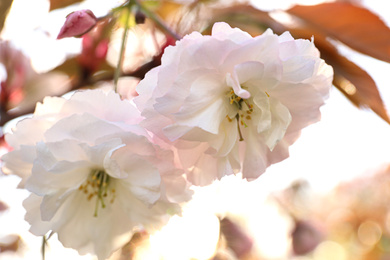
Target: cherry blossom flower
233,103
93,172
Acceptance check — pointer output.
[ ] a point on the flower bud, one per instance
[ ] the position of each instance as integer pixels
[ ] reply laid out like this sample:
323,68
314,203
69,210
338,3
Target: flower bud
77,23
237,239
305,237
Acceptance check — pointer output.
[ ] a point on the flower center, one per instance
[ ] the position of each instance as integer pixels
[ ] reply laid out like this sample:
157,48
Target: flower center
98,184
245,109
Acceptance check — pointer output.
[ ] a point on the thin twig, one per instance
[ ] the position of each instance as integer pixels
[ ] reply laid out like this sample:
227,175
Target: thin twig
157,20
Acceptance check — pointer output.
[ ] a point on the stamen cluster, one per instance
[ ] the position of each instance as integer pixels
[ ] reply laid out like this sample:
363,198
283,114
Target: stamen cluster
98,184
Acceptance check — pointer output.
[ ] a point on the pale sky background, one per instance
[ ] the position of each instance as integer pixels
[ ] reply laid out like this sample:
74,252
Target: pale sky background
346,143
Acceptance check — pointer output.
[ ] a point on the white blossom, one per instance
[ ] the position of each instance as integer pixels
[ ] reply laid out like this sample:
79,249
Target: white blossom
93,172
233,103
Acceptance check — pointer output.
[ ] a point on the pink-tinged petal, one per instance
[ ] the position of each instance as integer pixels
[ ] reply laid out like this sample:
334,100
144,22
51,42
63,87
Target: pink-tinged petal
290,47
145,88
303,102
19,162
103,105
23,134
211,165
298,69
143,179
222,31
64,129
249,72
201,120
204,102
77,23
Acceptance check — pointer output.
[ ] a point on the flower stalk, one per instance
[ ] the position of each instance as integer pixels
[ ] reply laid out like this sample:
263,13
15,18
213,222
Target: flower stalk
122,50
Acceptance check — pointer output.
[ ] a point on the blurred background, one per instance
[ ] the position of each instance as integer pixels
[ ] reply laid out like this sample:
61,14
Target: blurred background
328,200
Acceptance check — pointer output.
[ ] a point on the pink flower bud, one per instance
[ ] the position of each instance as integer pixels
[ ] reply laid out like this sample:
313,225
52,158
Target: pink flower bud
77,23
305,237
236,237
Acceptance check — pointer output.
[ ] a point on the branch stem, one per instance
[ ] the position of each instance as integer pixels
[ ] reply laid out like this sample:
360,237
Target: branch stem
118,69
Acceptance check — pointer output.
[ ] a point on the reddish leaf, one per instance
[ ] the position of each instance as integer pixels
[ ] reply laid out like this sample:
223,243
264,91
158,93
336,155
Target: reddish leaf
355,83
4,8
355,26
56,4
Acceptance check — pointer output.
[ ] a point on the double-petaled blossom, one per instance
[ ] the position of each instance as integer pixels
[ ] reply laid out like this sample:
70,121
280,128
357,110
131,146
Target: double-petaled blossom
233,103
93,172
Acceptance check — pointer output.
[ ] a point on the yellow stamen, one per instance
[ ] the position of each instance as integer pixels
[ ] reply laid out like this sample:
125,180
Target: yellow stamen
97,185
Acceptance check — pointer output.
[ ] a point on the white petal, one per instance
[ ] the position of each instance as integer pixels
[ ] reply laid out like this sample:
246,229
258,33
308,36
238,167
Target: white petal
223,31
107,106
232,81
143,179
249,71
88,129
19,162
33,215
281,119
255,159
227,138
298,69
262,116
51,203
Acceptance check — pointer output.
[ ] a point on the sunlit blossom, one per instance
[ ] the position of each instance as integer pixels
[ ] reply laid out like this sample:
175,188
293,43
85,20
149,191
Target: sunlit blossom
93,173
232,103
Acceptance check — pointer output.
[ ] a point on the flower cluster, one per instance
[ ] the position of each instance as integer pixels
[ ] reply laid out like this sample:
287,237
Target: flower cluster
93,172
98,166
